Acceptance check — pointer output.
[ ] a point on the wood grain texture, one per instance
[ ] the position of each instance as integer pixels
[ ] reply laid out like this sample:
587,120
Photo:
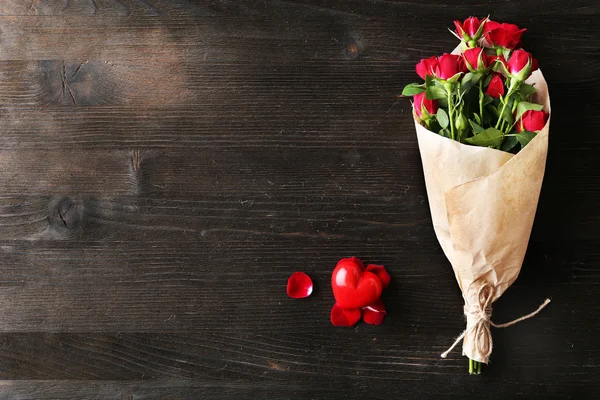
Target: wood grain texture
165,166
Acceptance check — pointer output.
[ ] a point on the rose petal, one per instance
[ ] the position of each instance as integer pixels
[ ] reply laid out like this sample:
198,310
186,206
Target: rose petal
377,307
374,313
344,317
299,285
381,273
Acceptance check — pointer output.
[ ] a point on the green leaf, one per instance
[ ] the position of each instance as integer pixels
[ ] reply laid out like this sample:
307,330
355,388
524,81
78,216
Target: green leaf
476,127
525,106
525,137
454,78
487,79
468,81
437,83
509,143
493,110
477,118
527,90
434,92
487,100
469,76
507,116
506,54
489,138
454,33
412,89
445,132
486,119
442,118
429,81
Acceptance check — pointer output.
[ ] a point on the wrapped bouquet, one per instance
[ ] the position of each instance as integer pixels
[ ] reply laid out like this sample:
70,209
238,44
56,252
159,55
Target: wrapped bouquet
482,117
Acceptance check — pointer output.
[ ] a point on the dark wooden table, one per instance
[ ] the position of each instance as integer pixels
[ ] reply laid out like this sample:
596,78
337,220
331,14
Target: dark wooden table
166,165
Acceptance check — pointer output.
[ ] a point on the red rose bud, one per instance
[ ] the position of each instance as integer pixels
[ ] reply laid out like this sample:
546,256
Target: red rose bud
424,107
520,65
535,65
425,67
470,29
447,66
496,86
476,60
503,35
532,121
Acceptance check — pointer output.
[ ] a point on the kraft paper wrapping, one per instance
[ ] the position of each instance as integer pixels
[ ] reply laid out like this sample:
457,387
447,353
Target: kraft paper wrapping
483,204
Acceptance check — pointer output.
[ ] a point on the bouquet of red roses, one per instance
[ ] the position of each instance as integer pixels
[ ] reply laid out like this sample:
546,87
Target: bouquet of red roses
482,120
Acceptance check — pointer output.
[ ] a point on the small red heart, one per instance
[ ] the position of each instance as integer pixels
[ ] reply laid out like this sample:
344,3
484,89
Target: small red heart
352,287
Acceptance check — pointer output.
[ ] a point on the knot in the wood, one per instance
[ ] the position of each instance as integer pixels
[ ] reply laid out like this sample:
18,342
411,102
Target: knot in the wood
352,51
65,213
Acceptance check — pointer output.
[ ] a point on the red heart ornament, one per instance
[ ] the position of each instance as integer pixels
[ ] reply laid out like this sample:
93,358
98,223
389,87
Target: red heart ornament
352,287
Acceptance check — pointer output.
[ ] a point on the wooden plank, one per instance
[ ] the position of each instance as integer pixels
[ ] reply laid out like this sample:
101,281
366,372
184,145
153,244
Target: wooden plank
314,35
269,358
251,173
353,388
67,172
90,218
245,174
234,279
145,284
97,8
149,84
46,85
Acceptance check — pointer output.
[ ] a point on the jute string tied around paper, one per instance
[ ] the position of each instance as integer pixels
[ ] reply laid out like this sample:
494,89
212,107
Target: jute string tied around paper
478,323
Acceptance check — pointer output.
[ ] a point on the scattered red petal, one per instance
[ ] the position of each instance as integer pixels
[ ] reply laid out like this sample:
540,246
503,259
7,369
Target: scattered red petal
344,317
299,285
374,313
381,273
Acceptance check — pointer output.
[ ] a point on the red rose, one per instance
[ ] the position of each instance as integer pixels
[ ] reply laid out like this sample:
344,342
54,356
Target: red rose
475,59
521,64
447,66
503,35
499,59
425,107
470,28
496,86
532,121
425,66
462,65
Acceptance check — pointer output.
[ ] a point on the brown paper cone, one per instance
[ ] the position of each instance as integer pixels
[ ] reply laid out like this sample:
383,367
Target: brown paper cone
483,203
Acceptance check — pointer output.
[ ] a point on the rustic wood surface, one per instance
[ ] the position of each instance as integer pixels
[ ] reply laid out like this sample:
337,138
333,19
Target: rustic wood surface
166,165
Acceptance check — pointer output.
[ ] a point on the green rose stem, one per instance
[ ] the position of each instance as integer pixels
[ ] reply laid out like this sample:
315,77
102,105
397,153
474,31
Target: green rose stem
474,367
514,108
514,84
449,89
481,99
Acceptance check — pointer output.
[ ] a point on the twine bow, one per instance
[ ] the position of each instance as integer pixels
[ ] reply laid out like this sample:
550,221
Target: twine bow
478,323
